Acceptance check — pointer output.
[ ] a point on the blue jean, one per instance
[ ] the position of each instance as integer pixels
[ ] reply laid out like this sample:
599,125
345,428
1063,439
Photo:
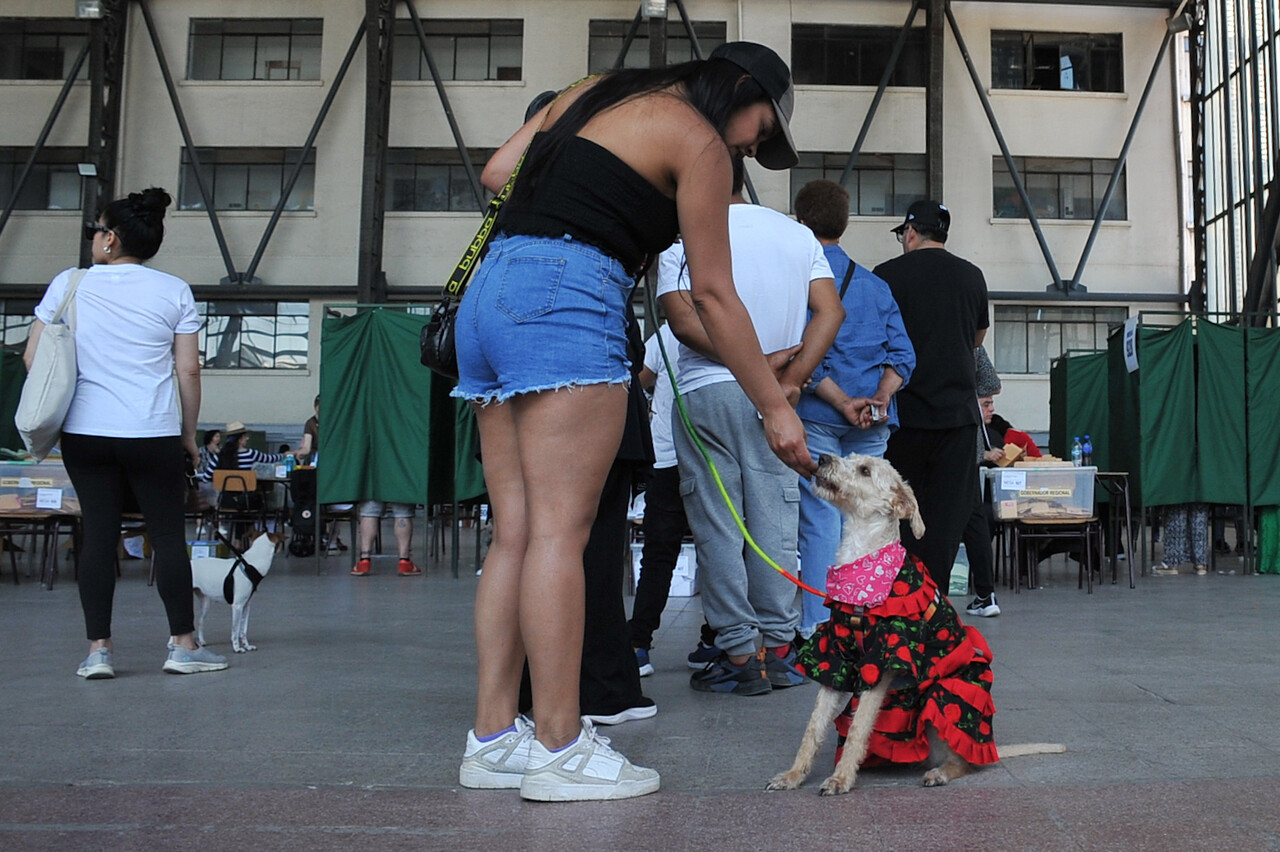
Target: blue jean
820,522
542,314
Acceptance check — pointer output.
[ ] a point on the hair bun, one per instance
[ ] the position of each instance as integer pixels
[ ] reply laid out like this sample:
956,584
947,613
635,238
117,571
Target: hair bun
150,203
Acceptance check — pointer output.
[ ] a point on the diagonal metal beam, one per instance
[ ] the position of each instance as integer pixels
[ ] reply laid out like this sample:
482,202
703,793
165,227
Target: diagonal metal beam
1260,290
1101,212
697,54
232,276
448,110
302,155
44,134
884,84
1004,151
630,37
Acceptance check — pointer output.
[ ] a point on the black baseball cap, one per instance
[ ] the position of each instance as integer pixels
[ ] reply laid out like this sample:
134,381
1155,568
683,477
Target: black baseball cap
926,214
767,68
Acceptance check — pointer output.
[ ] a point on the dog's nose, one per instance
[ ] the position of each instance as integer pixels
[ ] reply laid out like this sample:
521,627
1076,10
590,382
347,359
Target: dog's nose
826,458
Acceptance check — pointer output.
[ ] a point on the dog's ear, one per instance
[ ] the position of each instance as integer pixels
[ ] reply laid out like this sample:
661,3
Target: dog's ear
905,505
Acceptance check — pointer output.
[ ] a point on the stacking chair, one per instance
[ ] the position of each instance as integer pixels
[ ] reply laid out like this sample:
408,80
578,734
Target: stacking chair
238,503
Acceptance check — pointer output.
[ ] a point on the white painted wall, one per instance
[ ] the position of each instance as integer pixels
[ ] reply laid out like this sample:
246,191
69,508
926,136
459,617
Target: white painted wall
1140,255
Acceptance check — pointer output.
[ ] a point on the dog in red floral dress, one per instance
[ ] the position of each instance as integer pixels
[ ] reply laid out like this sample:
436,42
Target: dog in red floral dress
902,678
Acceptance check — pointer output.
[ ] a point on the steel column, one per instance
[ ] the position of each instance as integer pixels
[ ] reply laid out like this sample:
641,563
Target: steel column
379,36
933,129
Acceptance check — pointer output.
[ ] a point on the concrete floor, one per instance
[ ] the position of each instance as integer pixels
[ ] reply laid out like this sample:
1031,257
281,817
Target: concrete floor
345,728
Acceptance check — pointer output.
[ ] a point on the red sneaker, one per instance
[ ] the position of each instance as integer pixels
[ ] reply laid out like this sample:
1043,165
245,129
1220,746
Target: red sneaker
408,569
362,568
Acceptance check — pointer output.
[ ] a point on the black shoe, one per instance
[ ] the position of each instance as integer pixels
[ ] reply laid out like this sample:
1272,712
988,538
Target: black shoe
1221,546
723,676
984,607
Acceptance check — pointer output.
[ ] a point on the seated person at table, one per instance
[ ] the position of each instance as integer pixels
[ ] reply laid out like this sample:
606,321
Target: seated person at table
236,456
1001,432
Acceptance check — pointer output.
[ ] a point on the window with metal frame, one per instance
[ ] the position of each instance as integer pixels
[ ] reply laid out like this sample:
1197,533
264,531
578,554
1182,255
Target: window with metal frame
843,55
54,182
605,41
41,48
253,335
1067,62
1029,337
247,178
879,185
432,179
254,48
1059,188
16,317
463,49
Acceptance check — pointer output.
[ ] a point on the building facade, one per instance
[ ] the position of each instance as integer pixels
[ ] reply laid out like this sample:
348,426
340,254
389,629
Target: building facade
251,76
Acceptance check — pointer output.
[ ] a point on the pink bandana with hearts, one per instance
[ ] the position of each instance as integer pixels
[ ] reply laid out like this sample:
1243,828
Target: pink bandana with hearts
866,581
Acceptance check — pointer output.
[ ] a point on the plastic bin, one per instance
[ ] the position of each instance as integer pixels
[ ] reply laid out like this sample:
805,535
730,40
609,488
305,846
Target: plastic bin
1049,493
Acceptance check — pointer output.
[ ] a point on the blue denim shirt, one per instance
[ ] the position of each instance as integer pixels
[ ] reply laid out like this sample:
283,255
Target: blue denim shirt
871,338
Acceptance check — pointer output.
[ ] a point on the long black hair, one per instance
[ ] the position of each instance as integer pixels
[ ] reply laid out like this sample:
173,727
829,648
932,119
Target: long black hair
717,88
138,220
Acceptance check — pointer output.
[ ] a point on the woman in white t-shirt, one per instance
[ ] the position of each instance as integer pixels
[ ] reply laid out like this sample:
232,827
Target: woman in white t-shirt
124,430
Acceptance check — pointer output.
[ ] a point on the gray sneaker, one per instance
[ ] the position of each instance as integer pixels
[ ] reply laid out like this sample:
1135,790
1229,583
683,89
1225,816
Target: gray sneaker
585,769
97,666
182,661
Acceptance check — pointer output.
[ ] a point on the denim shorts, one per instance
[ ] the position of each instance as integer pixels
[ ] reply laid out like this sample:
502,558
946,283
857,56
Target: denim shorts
542,313
375,508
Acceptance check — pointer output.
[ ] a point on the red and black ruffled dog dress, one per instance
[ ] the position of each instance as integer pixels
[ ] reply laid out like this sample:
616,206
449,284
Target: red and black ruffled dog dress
940,668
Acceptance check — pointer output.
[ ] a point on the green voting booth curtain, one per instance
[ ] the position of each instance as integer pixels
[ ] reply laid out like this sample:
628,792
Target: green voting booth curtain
1263,378
469,481
1167,409
1153,414
389,429
1079,405
12,375
1221,401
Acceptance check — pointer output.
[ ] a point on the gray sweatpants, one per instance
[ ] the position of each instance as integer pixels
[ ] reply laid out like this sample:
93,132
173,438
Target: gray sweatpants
743,598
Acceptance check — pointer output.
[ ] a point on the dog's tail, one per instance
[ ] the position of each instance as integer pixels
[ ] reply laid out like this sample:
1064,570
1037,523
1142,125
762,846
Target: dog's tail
1025,749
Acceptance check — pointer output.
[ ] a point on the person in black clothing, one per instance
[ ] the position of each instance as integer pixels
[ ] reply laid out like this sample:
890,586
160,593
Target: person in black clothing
943,300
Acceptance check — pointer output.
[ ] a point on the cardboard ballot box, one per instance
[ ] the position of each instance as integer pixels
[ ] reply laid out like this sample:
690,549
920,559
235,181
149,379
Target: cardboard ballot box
1058,492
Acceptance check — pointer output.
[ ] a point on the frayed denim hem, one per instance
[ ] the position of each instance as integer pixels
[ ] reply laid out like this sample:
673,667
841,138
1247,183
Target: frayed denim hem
487,398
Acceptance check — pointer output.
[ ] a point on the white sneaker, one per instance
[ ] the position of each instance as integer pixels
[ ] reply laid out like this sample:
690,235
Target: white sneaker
498,764
586,769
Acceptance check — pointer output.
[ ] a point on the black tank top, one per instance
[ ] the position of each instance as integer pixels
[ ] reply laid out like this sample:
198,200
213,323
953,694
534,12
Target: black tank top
590,194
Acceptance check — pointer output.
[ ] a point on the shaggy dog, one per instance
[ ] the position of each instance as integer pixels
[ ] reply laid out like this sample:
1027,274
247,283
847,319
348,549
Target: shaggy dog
894,655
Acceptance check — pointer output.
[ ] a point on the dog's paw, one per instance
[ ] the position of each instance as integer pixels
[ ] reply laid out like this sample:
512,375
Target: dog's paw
936,778
247,647
835,786
788,780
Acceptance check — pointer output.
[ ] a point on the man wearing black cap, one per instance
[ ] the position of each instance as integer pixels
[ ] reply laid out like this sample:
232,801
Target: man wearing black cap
943,300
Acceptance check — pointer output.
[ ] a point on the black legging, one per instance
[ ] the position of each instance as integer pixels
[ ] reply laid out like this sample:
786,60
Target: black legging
101,469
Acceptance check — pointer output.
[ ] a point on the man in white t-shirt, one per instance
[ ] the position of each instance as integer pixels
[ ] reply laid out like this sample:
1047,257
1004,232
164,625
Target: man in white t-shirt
785,283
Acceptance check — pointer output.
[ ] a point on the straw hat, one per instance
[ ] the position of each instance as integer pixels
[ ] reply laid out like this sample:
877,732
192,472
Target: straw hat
235,427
